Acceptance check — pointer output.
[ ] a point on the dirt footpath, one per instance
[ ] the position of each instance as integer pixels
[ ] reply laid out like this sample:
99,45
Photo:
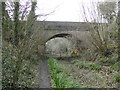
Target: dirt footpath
44,75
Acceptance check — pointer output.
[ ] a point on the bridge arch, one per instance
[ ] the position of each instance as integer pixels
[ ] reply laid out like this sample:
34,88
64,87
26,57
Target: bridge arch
63,35
68,36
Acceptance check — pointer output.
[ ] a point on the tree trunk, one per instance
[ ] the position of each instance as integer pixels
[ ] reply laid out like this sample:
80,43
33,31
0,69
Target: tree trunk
16,41
118,21
0,45
16,20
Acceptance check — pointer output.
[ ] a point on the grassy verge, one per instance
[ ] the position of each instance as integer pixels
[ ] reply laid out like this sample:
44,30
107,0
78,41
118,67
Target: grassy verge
61,78
82,64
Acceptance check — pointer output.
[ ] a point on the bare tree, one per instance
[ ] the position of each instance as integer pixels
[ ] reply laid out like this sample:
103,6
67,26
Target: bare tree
99,35
108,10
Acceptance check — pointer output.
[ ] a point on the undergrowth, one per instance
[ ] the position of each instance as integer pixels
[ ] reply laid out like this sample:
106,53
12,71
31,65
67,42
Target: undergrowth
27,73
61,78
82,64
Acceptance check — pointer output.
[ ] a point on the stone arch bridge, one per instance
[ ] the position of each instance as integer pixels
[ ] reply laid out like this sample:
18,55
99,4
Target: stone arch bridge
78,31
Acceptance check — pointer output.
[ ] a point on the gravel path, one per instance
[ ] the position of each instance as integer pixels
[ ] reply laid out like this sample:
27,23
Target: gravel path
44,75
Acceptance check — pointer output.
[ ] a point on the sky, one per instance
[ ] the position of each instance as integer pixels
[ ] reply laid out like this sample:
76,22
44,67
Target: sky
64,10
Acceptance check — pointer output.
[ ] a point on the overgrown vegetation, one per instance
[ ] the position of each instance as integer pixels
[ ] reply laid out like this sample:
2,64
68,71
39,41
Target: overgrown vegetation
117,78
27,72
83,64
20,46
19,52
91,78
104,34
104,30
61,78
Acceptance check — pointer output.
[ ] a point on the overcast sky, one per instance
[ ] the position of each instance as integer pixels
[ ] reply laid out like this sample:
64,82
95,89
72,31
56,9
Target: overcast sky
64,10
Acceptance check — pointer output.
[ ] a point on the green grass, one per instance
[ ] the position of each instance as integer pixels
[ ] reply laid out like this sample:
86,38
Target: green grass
117,78
74,61
115,67
82,64
60,76
109,61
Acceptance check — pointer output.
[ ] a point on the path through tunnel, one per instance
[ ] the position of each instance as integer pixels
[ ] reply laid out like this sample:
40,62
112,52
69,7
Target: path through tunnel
60,45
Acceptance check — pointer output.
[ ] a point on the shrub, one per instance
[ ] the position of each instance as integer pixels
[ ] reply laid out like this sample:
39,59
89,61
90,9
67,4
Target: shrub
8,67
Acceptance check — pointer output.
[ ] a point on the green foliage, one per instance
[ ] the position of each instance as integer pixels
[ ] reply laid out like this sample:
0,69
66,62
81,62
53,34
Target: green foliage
112,61
74,61
61,78
26,74
8,66
19,51
101,59
95,66
117,78
81,64
115,67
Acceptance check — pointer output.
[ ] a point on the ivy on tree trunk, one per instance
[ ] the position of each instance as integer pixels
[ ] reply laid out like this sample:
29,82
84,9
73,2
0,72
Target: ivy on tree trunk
16,21
118,21
16,41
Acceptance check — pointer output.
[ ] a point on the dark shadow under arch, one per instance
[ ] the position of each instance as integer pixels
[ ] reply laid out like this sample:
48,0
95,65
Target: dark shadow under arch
60,35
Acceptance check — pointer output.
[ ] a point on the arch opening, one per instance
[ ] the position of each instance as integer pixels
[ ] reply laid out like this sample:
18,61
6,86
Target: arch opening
59,45
63,45
61,35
